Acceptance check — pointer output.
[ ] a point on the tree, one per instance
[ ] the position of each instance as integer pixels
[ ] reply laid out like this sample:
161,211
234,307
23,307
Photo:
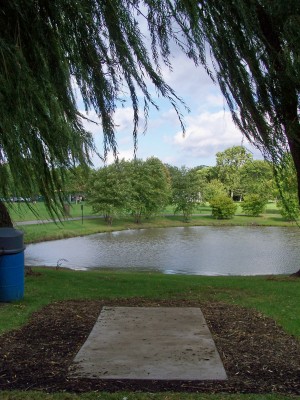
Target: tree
256,49
5,220
108,190
149,190
49,50
229,164
257,177
287,190
289,207
76,180
212,189
48,47
186,190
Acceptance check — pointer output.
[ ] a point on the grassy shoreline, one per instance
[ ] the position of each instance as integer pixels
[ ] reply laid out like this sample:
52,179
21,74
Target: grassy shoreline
66,229
90,224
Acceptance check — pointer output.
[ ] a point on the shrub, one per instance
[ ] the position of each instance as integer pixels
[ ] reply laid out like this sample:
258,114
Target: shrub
223,207
254,204
289,207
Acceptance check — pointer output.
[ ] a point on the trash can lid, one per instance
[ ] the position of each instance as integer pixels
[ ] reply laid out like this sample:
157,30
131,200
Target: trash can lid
11,241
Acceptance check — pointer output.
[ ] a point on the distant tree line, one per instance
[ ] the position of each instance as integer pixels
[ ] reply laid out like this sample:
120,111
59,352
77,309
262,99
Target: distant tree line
144,188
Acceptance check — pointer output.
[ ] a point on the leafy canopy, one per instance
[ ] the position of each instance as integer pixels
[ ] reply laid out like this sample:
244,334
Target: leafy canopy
229,164
50,47
138,188
186,190
256,47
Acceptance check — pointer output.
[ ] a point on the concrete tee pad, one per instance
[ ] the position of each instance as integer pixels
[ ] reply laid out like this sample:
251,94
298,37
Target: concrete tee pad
157,343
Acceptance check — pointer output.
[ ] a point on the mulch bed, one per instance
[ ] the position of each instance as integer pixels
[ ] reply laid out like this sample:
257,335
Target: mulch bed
258,356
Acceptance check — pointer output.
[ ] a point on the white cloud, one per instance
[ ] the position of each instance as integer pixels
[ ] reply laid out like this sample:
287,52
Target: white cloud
209,127
206,134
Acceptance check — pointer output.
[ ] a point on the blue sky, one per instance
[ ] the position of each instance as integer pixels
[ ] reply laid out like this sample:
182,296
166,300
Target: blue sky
209,126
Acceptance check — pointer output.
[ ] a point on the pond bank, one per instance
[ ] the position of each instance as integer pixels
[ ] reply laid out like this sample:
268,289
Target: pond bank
39,232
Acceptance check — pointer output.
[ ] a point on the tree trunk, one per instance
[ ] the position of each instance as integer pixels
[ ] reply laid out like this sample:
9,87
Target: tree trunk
296,274
5,220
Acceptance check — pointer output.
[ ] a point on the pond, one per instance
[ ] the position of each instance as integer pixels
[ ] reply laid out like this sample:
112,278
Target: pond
187,250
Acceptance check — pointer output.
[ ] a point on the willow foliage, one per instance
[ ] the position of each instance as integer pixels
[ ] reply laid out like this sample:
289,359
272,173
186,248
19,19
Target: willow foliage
256,47
50,47
48,50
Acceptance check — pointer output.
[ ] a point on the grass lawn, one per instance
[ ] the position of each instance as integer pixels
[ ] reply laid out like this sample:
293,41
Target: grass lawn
277,297
38,211
136,396
52,231
21,212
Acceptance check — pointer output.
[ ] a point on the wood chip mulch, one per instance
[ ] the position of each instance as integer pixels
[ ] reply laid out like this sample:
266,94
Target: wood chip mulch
258,356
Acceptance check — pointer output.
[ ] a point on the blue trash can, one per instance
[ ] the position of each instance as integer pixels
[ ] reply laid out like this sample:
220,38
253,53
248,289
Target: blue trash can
11,265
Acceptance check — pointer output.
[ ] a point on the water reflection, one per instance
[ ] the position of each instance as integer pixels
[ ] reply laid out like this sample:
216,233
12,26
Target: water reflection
186,250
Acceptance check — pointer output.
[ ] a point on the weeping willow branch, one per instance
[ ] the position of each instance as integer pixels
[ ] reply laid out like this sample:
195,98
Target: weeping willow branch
49,46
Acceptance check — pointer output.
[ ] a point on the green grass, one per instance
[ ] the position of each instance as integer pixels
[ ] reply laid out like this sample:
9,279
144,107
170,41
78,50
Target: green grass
52,231
277,297
38,211
202,217
21,212
31,395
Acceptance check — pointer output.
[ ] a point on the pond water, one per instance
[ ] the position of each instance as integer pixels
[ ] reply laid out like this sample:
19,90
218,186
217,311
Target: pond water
186,250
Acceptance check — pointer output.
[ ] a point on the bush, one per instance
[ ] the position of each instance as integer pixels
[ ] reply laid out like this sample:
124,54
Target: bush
289,207
223,207
254,204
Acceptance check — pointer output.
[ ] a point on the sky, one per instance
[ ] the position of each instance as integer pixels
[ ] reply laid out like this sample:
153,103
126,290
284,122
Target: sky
209,126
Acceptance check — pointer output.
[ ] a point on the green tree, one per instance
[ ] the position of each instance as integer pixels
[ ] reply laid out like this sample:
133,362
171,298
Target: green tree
208,173
213,189
76,180
186,190
108,190
256,45
257,177
229,164
223,207
289,207
51,49
50,46
149,190
287,189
